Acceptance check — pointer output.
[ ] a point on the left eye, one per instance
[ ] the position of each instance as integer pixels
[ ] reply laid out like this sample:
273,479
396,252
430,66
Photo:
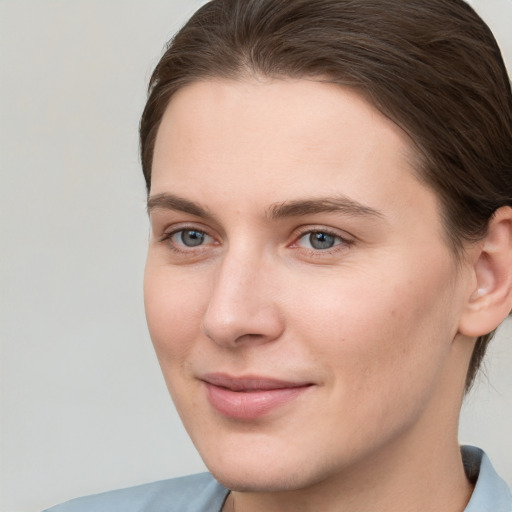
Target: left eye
319,240
190,237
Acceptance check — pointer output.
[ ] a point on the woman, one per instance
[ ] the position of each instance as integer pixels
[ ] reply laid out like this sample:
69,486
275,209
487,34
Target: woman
330,189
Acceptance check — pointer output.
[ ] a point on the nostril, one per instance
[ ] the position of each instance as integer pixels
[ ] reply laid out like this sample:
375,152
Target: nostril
249,337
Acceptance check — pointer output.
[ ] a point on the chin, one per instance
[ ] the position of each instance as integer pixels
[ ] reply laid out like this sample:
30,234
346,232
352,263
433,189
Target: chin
267,468
260,480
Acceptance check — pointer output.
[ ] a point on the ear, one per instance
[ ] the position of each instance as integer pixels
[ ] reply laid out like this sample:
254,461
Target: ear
490,297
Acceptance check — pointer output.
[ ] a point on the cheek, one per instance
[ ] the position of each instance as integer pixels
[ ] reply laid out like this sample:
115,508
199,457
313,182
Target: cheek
379,336
174,310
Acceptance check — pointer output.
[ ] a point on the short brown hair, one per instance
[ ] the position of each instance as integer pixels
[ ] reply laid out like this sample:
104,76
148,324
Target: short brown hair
432,66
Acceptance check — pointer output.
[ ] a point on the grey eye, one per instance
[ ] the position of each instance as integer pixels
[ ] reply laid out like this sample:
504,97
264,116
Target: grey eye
319,240
190,237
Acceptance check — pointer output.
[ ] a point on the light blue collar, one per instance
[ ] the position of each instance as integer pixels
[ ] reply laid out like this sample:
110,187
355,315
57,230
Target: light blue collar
491,493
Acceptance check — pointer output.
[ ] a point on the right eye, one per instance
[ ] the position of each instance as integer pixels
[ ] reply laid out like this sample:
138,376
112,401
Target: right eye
188,238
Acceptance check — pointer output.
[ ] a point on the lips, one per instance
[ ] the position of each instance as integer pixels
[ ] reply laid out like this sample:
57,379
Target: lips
249,397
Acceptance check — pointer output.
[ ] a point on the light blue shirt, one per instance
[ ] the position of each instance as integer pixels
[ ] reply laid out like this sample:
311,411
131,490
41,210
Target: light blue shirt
202,493
491,493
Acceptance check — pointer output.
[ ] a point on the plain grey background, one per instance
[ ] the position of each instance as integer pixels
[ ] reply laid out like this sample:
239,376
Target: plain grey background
83,405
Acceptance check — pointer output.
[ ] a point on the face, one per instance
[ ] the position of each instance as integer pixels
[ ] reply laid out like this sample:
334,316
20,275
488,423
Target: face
299,292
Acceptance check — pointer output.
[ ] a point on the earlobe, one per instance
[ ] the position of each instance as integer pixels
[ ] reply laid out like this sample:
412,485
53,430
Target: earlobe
490,300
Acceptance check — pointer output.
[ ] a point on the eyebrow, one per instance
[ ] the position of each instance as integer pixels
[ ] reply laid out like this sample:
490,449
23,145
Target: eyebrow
294,208
172,202
338,204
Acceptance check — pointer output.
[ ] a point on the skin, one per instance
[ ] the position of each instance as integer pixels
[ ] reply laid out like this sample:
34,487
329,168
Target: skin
372,323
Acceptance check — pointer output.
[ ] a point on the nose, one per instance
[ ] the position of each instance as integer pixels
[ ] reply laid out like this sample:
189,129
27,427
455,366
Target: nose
243,306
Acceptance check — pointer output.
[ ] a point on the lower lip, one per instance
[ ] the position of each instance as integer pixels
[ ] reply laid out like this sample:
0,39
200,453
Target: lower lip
250,405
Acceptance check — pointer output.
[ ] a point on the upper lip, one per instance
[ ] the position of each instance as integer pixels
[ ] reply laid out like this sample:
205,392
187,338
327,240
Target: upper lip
250,382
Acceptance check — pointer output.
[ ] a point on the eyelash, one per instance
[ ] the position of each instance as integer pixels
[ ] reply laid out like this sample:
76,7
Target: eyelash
340,242
182,248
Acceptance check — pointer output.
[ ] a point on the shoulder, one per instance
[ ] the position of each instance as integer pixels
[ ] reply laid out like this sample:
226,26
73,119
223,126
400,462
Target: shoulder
195,493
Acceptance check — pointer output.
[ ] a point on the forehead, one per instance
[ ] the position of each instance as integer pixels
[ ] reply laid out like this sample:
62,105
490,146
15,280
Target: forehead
241,146
286,128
